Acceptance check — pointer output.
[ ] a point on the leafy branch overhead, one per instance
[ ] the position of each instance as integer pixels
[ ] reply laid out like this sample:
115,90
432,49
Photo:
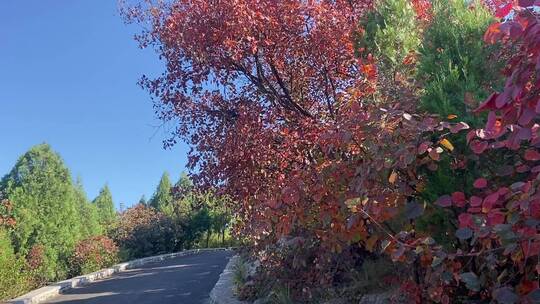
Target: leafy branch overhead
344,130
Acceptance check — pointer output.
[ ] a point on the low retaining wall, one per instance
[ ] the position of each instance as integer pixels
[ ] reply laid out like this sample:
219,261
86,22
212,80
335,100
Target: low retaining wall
44,293
223,293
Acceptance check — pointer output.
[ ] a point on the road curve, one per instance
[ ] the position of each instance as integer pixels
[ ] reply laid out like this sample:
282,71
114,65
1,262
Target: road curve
182,280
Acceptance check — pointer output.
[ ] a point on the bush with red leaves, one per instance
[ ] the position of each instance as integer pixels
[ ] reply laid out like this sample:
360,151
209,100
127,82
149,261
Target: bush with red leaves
93,254
143,231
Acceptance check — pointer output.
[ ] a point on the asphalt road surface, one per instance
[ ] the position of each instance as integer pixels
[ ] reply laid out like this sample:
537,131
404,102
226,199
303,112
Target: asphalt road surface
182,280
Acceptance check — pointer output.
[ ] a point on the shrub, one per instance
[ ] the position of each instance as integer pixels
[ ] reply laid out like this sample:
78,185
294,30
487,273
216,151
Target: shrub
93,254
13,279
456,69
498,219
142,231
393,34
455,64
37,265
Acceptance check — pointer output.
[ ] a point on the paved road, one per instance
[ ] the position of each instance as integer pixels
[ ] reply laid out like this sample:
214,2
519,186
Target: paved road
183,280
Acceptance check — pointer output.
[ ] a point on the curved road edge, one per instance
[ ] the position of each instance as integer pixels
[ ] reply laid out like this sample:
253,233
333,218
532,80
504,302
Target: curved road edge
44,293
223,291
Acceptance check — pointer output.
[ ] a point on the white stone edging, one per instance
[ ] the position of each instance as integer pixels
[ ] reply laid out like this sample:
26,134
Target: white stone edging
223,291
44,293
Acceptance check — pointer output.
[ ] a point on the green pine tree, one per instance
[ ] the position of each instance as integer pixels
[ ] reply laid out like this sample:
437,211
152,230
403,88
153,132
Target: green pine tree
162,198
184,184
392,32
143,201
88,213
105,206
458,71
41,189
455,63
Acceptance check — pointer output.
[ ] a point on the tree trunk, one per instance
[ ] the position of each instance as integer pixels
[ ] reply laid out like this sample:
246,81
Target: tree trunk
223,238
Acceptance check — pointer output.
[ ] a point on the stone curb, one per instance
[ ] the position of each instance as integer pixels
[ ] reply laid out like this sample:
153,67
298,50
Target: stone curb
47,292
223,293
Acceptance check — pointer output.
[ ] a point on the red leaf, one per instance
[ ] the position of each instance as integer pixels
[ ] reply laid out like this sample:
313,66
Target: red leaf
495,218
504,11
525,3
444,201
530,248
534,208
526,117
478,146
474,210
532,155
434,154
489,103
471,134
475,201
458,198
480,183
465,220
458,127
489,202
524,134
492,35
522,168
423,147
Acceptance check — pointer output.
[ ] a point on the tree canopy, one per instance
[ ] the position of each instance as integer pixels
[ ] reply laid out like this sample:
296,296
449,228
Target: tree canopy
162,197
339,130
45,207
105,206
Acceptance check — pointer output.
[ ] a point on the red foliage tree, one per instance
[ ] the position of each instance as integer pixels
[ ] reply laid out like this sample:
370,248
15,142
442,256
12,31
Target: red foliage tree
284,117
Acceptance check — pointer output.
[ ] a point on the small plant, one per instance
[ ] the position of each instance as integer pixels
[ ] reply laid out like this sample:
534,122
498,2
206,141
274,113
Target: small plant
241,273
280,295
375,275
93,254
13,280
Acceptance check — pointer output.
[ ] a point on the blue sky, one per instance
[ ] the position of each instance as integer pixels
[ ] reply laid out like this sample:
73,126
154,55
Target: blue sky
68,73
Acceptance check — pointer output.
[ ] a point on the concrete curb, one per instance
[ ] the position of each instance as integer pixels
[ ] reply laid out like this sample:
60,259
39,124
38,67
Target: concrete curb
44,293
223,293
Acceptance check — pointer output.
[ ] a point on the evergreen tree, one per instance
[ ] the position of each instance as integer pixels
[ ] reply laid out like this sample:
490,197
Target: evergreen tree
457,71
184,184
41,189
105,207
392,33
88,213
183,195
162,198
455,63
143,201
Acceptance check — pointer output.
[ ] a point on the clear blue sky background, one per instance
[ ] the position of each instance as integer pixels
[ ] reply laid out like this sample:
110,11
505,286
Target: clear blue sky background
68,73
